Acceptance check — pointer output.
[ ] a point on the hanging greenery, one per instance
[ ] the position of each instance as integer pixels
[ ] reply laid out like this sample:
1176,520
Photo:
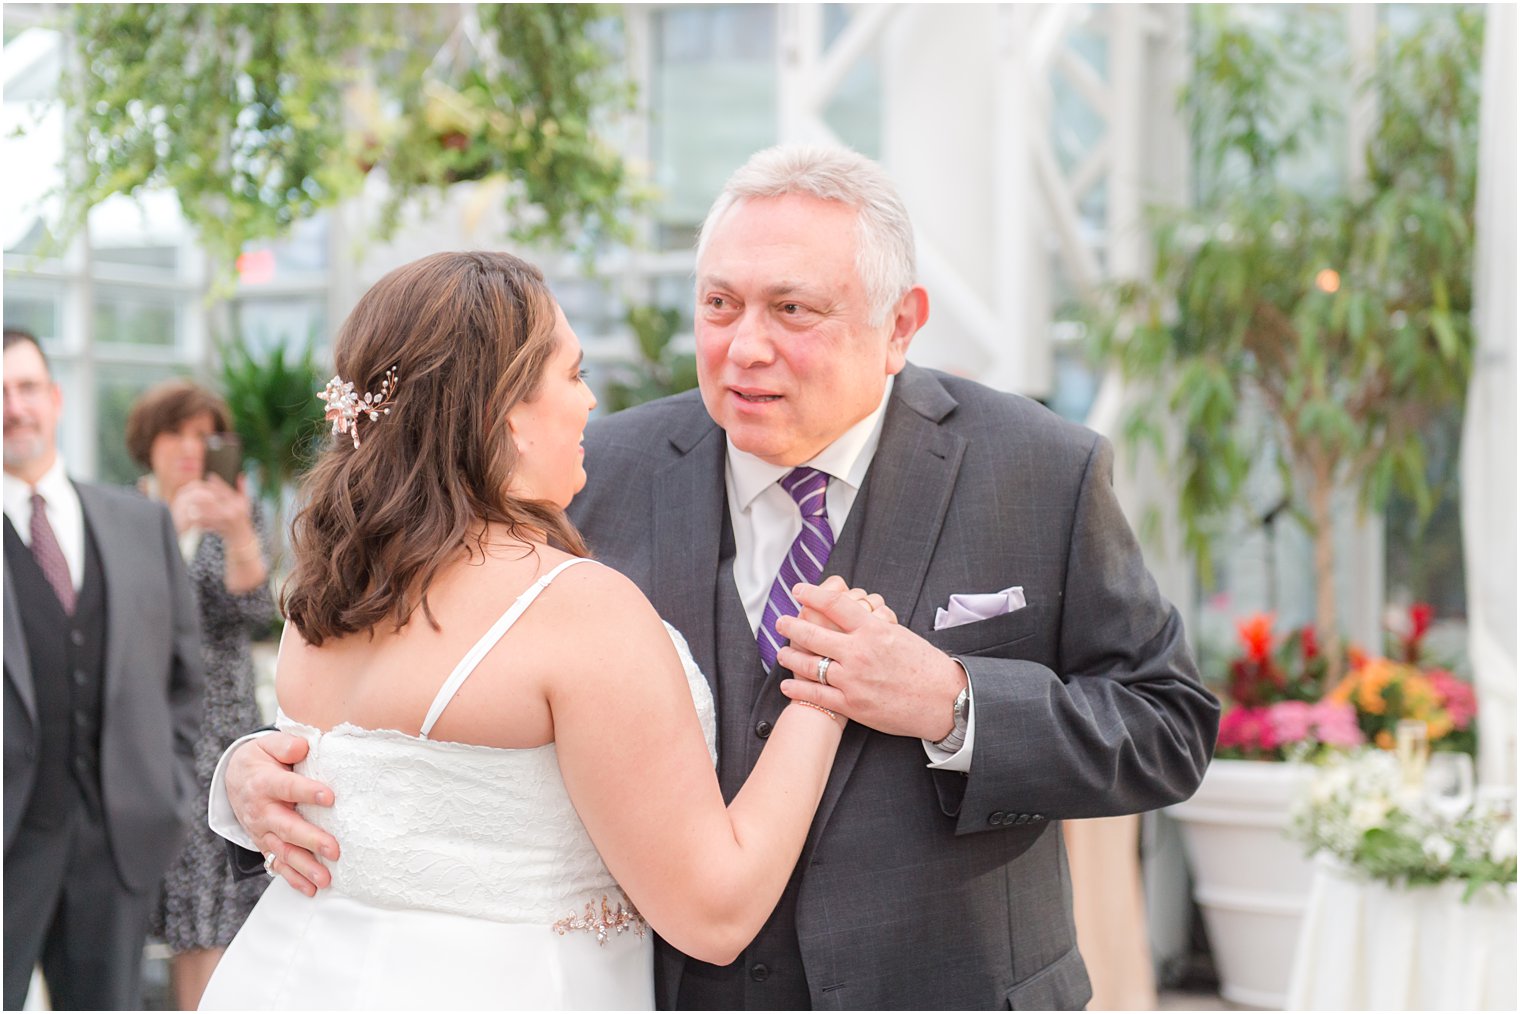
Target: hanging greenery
1317,324
259,115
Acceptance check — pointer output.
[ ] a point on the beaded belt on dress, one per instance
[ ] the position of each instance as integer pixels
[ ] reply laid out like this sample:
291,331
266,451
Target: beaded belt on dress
619,918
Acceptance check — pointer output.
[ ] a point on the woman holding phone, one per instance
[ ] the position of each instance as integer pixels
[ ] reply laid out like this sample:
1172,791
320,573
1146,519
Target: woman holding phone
180,432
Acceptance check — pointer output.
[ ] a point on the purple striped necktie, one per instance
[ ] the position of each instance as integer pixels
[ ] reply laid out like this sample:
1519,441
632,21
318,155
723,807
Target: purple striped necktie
49,555
804,561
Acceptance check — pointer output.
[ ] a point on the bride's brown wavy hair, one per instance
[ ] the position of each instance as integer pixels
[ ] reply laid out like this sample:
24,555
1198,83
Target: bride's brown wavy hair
469,336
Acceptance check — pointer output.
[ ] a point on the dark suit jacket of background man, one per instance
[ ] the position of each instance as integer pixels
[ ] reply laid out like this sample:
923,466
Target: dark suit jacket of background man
150,703
921,888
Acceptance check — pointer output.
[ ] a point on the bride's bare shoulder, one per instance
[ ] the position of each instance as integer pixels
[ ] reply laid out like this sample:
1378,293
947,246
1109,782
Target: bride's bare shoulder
596,613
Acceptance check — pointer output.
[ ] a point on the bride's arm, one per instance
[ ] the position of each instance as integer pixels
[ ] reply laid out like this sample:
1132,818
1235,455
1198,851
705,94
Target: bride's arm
631,750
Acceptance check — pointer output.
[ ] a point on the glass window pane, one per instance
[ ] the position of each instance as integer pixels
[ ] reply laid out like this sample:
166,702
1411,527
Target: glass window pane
854,110
291,321
1423,555
32,307
299,255
135,316
117,386
164,258
713,99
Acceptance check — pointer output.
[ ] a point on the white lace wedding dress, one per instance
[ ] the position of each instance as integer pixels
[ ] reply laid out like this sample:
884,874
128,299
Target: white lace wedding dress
467,880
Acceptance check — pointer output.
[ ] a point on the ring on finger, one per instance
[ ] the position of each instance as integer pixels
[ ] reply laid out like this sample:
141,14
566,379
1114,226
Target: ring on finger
823,669
269,858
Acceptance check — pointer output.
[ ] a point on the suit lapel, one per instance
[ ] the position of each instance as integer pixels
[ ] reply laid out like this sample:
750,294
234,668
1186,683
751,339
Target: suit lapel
689,501
115,558
901,510
18,664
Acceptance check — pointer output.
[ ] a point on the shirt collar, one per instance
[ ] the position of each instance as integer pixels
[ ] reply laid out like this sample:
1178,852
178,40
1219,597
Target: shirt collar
54,487
846,459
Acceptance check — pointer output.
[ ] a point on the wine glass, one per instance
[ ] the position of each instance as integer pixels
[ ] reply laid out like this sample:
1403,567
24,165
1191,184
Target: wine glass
1449,784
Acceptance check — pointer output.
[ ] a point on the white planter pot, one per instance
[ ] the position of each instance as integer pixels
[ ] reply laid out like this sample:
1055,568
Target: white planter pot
1249,879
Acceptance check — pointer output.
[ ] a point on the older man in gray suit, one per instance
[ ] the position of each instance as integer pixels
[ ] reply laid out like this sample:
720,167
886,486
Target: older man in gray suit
1036,674
102,706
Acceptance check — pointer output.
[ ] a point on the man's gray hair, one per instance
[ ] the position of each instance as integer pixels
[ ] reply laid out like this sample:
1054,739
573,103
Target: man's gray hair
884,256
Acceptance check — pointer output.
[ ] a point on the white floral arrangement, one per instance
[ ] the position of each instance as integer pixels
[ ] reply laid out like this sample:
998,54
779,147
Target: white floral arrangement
1363,809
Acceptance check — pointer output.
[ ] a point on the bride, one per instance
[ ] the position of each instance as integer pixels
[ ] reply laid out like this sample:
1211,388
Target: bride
515,824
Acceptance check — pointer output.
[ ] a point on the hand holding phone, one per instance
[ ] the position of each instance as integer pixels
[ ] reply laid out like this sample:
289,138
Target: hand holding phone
224,457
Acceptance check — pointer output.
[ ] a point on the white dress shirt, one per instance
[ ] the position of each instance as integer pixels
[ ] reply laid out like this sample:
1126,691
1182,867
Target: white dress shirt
64,514
766,520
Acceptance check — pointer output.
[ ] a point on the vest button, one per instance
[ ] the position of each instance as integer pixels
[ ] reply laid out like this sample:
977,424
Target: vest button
80,719
763,729
76,637
759,972
81,677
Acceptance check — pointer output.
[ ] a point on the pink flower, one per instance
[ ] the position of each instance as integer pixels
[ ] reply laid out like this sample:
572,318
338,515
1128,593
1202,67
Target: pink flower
1335,724
1246,729
1291,721
1456,697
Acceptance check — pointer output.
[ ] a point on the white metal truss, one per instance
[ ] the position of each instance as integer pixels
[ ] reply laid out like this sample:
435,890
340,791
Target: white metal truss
968,134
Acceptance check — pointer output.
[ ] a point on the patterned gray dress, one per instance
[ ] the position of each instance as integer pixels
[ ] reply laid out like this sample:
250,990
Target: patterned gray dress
202,905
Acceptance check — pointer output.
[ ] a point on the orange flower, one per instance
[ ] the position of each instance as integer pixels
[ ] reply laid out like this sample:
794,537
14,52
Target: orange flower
1256,634
1384,739
1437,727
1370,682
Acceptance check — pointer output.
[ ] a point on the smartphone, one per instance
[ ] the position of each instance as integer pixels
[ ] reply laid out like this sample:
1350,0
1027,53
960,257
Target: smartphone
224,457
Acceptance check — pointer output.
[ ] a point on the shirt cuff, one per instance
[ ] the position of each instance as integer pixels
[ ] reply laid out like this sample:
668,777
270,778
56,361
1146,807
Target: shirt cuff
219,815
960,760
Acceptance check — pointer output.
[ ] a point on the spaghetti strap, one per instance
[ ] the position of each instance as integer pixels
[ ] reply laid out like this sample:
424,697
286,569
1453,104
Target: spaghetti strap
488,641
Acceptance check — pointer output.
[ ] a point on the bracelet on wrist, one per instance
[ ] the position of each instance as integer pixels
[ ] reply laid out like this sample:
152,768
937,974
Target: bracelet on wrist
819,707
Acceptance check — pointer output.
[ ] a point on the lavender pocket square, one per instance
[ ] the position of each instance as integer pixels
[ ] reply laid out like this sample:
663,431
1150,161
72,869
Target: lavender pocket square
970,608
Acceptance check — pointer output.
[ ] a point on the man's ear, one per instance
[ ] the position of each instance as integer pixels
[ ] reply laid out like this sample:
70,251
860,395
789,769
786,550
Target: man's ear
910,314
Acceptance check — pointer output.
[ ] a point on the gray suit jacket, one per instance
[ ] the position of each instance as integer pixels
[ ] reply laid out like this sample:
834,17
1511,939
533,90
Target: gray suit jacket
151,698
925,888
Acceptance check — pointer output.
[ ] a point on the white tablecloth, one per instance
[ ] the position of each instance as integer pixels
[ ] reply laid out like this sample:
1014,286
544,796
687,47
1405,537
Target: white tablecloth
1368,946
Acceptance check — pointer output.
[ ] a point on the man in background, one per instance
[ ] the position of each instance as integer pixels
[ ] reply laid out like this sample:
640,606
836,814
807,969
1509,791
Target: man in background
102,705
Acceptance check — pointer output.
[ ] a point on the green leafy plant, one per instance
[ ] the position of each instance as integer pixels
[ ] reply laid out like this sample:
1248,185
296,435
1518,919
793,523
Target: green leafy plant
659,369
1316,325
275,410
259,115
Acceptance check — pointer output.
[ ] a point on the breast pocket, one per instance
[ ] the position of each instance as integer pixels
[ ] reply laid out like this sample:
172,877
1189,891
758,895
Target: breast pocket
985,637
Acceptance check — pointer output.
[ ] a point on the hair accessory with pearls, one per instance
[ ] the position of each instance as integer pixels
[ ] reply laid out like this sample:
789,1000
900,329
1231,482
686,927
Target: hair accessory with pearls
345,409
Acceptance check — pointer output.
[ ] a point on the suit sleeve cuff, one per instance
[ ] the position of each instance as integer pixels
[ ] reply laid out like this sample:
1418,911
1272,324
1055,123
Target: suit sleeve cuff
219,815
960,760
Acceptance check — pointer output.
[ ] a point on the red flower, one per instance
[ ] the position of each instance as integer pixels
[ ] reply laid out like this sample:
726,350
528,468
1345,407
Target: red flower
1420,615
1457,697
1256,634
1310,641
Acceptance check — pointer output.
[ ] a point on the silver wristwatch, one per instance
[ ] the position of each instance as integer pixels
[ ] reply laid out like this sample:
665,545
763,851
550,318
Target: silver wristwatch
961,712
